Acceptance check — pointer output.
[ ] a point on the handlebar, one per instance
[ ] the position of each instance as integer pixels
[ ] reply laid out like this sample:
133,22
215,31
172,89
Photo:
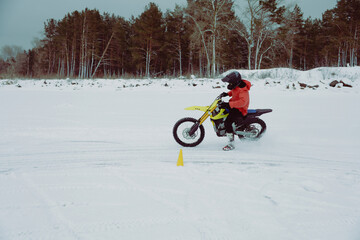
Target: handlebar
220,96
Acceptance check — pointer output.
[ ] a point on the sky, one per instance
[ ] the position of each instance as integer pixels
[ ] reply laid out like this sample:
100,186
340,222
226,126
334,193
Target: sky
21,21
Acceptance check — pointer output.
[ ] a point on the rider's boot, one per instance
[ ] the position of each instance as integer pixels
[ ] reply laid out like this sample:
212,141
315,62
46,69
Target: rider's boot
230,145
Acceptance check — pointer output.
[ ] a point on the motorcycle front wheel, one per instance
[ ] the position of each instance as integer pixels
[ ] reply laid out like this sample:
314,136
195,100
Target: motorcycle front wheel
181,132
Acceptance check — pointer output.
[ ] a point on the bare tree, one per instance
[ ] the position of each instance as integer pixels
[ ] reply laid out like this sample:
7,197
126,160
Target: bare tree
260,20
209,17
8,52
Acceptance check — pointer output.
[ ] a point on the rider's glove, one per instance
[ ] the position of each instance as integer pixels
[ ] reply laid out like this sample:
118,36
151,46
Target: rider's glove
224,105
224,94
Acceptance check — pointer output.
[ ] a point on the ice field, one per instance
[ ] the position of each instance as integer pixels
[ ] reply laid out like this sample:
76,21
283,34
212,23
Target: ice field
97,160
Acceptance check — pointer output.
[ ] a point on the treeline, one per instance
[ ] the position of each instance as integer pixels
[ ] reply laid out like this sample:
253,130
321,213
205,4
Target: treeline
204,38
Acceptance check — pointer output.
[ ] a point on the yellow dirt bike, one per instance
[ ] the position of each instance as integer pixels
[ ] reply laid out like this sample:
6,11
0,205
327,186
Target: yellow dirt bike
189,132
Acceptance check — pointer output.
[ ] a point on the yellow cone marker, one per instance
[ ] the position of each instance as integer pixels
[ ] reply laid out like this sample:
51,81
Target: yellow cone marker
180,161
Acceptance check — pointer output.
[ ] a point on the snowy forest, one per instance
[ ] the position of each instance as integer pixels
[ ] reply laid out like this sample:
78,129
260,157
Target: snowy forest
203,38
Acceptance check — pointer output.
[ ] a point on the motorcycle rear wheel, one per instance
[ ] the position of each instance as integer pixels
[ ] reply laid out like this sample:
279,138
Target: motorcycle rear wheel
181,132
255,126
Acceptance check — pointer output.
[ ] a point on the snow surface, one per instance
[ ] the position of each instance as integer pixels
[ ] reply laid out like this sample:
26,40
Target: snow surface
95,159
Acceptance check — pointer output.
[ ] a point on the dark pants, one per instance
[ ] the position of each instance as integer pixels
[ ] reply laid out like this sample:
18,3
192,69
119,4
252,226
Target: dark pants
234,116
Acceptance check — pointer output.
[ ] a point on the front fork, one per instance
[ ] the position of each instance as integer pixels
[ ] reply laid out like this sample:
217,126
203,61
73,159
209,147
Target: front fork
194,128
196,125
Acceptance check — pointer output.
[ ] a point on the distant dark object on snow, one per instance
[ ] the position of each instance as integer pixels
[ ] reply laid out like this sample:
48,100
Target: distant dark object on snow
304,85
336,82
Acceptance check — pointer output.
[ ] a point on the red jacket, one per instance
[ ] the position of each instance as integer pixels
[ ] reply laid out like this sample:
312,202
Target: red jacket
240,98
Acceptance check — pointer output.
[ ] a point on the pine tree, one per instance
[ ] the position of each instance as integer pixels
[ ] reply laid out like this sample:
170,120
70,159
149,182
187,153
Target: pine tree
148,38
120,46
348,21
177,39
288,35
50,45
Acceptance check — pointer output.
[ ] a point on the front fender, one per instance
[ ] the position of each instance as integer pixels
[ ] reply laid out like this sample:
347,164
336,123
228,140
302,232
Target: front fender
199,108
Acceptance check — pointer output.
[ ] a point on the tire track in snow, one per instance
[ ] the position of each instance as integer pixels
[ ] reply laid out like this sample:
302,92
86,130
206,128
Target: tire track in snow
150,193
205,225
60,220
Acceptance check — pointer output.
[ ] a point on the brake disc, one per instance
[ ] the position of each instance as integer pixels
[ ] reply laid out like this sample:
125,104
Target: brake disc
186,135
253,130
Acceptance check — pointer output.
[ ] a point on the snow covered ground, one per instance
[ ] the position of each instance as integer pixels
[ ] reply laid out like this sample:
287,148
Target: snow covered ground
95,159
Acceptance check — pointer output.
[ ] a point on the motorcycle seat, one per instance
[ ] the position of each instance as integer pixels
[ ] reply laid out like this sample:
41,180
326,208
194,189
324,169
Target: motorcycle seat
258,112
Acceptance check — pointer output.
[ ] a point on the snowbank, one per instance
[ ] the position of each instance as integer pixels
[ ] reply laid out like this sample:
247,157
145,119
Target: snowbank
283,78
319,76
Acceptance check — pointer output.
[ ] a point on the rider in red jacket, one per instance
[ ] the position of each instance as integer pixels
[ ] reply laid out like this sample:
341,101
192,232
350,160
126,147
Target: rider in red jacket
238,104
240,97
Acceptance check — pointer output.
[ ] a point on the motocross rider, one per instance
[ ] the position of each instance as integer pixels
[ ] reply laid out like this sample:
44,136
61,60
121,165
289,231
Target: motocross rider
237,105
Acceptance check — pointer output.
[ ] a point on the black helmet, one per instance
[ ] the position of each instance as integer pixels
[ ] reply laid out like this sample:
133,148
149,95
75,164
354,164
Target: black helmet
234,80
